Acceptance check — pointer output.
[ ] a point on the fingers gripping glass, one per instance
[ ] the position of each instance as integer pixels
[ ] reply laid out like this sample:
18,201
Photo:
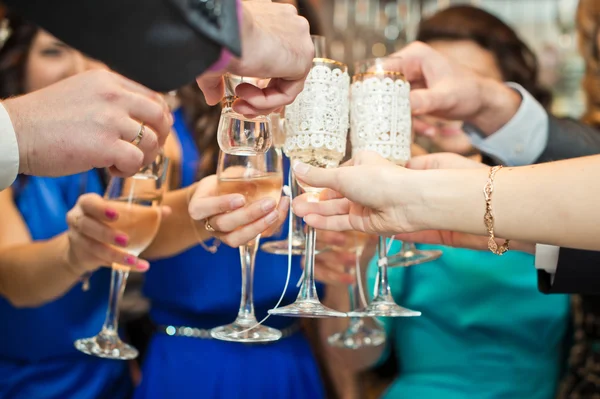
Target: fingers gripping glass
137,200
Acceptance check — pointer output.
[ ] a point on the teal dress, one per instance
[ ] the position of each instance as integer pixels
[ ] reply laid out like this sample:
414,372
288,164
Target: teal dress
37,356
486,332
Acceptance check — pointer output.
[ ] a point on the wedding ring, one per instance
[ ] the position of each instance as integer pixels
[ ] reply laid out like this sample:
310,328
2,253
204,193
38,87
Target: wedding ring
208,227
139,136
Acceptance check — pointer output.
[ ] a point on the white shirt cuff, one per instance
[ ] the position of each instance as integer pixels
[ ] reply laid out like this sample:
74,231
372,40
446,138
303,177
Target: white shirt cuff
523,139
9,150
546,258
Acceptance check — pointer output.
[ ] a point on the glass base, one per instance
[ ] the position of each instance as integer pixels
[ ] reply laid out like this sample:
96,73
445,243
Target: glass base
237,332
357,336
282,247
306,308
413,257
383,307
108,346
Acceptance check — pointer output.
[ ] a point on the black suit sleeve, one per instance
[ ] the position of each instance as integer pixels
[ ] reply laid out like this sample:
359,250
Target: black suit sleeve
578,272
568,138
163,44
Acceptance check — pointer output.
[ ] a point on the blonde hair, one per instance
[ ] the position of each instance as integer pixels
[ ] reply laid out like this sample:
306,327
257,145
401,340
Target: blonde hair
588,24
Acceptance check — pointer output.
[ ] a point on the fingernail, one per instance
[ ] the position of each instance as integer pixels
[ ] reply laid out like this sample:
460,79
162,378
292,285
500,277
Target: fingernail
300,168
268,204
130,260
238,202
110,213
429,132
142,265
271,217
121,240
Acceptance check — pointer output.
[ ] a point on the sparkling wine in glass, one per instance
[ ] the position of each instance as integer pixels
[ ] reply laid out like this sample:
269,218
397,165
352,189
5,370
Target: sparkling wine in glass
236,134
358,334
317,131
137,200
256,178
381,122
298,238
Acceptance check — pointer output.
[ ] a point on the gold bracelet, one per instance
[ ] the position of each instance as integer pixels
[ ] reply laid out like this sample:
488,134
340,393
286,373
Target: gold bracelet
488,218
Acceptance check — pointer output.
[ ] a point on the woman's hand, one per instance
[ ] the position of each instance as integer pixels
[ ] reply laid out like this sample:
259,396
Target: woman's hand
233,220
92,242
362,196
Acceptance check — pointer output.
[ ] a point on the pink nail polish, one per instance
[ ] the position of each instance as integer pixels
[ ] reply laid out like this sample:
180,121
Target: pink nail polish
121,240
142,265
110,213
130,260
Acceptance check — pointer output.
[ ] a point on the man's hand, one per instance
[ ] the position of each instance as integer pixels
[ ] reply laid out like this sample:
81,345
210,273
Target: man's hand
276,44
450,91
88,121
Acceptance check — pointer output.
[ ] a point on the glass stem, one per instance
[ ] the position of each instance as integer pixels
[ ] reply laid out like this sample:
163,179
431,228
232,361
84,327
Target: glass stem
297,227
246,315
356,292
383,288
308,290
117,287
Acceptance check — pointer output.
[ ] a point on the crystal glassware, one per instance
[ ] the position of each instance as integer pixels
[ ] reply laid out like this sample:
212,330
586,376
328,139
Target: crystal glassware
255,177
381,122
410,255
137,201
236,134
316,134
358,334
298,237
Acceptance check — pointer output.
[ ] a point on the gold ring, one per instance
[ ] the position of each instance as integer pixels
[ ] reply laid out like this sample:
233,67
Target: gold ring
140,135
208,227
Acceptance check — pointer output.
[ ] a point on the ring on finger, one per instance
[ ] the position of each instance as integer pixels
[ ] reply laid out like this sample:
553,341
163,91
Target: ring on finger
208,227
136,140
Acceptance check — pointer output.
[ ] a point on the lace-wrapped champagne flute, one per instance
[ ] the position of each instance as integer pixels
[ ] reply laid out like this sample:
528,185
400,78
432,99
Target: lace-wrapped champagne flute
381,122
317,131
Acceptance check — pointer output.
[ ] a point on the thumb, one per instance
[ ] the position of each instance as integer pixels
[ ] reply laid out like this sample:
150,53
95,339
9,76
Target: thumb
316,177
213,88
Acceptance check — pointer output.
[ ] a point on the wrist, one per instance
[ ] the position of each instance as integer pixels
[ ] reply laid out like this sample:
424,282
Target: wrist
69,261
449,200
14,110
499,104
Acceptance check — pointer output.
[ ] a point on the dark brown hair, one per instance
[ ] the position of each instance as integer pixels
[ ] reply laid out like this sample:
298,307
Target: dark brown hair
13,56
516,60
588,25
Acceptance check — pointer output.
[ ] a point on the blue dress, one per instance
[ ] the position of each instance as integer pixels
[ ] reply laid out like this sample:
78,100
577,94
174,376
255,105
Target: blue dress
37,356
202,290
486,332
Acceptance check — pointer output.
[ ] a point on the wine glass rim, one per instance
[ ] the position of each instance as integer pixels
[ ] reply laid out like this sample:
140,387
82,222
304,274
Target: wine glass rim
329,61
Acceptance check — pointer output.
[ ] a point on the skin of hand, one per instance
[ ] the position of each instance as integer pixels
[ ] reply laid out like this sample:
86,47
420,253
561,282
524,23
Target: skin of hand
276,44
92,242
444,89
235,222
88,121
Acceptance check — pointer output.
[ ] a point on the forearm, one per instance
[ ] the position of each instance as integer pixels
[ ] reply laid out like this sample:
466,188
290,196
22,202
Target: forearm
178,231
549,203
36,273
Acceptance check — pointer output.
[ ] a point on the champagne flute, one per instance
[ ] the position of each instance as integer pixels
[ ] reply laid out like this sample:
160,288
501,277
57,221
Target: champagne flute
318,127
410,255
358,334
137,201
255,177
237,134
298,237
381,122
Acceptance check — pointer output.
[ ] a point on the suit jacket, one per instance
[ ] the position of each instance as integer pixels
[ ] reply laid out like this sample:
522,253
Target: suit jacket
163,44
578,271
